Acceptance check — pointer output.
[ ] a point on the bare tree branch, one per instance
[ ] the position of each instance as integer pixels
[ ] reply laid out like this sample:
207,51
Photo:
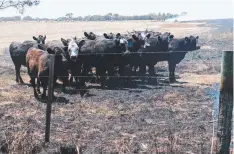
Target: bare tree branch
18,4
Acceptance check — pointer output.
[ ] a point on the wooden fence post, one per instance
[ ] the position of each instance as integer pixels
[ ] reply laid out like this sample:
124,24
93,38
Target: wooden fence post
225,104
50,97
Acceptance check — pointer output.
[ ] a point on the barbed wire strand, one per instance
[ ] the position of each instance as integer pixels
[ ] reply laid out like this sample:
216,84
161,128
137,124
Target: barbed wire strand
129,53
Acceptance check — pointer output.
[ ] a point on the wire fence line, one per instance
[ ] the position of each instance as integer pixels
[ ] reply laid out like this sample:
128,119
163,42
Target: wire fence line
127,53
106,76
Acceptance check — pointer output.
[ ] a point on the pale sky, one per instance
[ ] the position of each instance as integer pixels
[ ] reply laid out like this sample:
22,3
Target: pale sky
204,9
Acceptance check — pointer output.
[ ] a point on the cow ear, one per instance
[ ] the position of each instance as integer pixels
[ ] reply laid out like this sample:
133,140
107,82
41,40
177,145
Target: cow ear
171,36
50,51
118,35
86,34
148,35
34,38
186,38
81,43
197,37
134,37
105,35
45,37
65,42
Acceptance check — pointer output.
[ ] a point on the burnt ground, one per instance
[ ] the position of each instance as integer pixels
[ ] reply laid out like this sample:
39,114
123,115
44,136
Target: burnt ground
164,118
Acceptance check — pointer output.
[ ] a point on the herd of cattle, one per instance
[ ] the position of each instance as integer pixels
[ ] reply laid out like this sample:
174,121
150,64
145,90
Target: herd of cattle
113,55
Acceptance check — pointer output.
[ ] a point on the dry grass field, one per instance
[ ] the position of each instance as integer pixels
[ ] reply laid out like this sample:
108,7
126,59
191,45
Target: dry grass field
160,119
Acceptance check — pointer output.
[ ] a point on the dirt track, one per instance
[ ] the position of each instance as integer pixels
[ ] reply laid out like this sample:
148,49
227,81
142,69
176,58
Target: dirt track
148,118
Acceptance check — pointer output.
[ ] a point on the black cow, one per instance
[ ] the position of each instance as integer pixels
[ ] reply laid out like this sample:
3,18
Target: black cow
18,53
178,49
158,43
73,51
103,54
136,42
111,36
53,46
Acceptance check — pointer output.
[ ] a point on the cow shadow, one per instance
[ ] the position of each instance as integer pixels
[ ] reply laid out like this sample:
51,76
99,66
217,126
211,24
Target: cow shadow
73,91
58,100
26,84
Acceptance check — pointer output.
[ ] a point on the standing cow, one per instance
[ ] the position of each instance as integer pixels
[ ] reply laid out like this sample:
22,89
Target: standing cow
38,62
103,54
19,50
73,48
158,43
178,49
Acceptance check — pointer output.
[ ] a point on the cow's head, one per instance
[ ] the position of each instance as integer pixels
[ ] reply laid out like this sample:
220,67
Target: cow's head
40,39
193,42
112,36
90,36
121,42
72,47
164,40
56,51
138,41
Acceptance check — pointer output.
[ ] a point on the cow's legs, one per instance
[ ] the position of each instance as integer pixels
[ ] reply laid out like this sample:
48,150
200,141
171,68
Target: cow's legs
38,85
152,74
101,74
65,83
171,71
122,75
111,74
43,79
44,86
151,69
18,77
142,72
34,87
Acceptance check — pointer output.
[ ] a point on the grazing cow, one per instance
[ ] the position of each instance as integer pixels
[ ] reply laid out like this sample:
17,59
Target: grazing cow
38,61
18,53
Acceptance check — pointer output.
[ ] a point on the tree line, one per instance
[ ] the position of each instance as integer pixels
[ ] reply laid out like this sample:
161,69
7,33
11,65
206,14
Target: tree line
107,17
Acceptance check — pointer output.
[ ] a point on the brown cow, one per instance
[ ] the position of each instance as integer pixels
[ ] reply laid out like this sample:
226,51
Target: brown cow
37,62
